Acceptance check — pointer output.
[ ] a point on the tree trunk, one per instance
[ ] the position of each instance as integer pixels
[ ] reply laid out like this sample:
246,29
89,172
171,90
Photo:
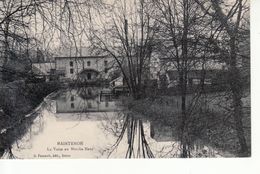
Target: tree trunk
237,90
184,78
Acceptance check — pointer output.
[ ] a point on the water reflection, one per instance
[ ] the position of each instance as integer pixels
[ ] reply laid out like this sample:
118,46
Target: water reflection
106,129
85,100
137,145
20,135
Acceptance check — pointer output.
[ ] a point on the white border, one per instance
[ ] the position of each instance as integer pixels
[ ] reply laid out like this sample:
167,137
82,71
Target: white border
187,166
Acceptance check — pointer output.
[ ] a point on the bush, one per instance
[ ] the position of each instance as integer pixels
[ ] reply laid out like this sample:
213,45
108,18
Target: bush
18,99
35,92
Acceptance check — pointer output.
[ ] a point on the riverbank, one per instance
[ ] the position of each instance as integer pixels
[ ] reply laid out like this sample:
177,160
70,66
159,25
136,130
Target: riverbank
17,100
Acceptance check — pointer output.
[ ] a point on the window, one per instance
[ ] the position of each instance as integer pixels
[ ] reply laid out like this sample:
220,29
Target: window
105,62
106,104
72,105
89,105
89,91
71,71
71,63
89,76
207,81
88,63
190,81
72,98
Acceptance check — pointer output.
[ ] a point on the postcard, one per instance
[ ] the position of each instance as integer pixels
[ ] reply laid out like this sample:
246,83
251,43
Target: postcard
125,79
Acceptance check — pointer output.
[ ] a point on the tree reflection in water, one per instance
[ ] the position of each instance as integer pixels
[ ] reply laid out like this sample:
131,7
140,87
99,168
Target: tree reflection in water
20,133
169,135
133,129
87,93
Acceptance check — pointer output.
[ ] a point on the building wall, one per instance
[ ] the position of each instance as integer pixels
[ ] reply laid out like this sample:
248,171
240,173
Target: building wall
162,66
72,67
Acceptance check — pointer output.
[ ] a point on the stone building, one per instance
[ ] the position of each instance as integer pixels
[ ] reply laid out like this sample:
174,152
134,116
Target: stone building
83,68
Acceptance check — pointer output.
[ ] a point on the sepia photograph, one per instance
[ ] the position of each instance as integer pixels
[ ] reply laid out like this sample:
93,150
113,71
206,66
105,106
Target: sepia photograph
117,79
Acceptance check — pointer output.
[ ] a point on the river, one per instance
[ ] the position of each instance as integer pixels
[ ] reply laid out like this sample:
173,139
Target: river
83,123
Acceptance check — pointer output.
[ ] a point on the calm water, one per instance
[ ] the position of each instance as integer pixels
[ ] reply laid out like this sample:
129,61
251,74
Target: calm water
82,123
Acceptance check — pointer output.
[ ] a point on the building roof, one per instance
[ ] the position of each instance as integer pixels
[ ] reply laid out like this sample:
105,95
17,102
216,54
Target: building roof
80,57
42,68
79,51
174,74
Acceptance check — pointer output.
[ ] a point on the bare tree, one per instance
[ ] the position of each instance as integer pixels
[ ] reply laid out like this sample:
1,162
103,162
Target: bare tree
128,37
28,25
185,43
233,18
